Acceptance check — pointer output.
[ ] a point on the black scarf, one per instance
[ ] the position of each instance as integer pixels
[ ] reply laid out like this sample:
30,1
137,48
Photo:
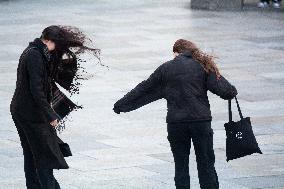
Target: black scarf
42,48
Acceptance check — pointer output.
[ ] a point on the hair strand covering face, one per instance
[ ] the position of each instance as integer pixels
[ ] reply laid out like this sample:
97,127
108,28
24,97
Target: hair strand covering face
70,43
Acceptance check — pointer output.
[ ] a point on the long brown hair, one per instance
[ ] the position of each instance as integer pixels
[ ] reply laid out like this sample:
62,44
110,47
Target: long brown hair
206,60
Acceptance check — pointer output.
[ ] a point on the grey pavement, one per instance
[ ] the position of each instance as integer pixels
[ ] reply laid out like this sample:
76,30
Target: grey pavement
131,151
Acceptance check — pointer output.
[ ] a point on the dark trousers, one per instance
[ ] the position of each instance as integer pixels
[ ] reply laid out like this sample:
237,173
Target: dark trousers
35,178
201,134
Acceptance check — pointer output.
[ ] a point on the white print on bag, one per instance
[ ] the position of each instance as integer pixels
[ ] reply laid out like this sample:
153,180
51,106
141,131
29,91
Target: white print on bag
239,135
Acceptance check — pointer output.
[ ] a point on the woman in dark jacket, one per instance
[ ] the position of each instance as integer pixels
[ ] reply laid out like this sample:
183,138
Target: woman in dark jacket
184,82
37,104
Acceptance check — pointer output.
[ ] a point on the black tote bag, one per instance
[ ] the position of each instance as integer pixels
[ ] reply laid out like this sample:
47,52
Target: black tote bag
240,140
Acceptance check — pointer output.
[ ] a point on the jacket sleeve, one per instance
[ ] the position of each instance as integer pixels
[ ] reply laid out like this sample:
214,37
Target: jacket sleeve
144,93
221,87
35,67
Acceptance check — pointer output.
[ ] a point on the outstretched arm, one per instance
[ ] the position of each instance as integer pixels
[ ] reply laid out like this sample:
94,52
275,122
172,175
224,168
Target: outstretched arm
144,93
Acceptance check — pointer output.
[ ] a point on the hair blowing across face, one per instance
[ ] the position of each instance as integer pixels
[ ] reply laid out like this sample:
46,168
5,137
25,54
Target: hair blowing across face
69,41
207,61
66,37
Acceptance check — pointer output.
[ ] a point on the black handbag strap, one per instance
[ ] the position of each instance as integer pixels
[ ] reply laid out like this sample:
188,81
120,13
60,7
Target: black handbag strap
230,109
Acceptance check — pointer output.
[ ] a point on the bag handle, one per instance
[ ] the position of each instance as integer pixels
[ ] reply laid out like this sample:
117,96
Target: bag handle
230,109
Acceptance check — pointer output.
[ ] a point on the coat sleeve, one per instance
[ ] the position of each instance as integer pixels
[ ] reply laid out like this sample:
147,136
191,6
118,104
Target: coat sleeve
35,67
221,87
144,93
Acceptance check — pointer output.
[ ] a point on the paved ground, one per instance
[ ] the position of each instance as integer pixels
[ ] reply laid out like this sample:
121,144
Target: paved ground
130,151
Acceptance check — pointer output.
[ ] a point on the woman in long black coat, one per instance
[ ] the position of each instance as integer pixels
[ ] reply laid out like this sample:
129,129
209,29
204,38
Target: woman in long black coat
37,104
184,82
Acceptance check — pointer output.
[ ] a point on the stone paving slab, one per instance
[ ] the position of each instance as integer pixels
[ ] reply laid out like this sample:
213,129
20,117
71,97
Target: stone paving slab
269,181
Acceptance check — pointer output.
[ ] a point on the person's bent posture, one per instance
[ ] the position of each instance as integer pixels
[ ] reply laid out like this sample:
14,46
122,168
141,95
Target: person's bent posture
38,105
184,82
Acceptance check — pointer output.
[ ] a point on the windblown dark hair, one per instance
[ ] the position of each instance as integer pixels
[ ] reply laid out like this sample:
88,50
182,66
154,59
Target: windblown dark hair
206,60
69,44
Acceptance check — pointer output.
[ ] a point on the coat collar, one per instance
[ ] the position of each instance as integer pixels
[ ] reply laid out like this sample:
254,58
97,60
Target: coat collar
42,48
187,54
184,54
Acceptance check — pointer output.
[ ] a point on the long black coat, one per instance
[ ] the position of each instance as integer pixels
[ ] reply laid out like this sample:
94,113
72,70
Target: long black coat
31,108
184,83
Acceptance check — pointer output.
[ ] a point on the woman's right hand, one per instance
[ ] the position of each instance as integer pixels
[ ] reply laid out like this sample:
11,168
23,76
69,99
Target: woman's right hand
116,109
54,123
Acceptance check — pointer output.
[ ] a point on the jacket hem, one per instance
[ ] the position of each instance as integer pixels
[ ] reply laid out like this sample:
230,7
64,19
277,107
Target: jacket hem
188,120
